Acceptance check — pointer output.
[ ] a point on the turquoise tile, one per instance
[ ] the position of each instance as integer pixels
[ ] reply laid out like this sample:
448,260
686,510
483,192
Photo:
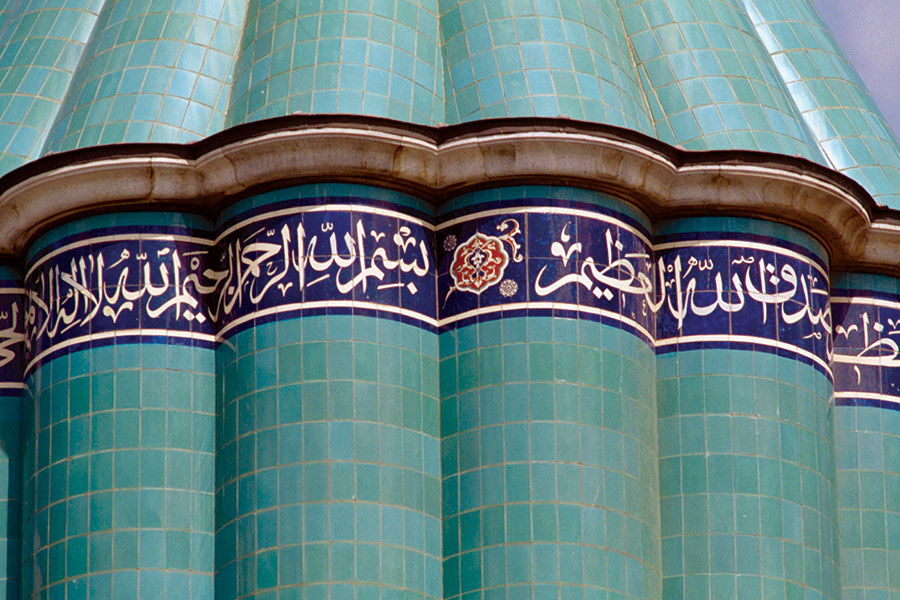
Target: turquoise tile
833,101
151,75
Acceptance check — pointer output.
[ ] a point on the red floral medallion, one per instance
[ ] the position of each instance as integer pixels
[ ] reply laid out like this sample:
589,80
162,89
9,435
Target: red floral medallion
478,263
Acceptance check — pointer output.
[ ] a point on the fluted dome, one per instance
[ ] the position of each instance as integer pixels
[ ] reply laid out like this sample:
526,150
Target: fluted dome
444,300
704,74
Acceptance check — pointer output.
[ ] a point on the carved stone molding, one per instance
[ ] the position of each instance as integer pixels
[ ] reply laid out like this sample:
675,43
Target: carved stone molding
436,163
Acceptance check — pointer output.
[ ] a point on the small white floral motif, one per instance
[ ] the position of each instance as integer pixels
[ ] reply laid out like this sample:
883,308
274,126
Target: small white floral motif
449,243
508,288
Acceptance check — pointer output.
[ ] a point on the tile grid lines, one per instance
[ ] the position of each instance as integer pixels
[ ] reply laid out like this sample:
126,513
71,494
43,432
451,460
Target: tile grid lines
340,90
90,495
706,413
487,345
170,101
752,102
462,509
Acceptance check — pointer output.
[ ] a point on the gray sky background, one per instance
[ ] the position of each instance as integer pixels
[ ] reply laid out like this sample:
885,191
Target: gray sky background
867,31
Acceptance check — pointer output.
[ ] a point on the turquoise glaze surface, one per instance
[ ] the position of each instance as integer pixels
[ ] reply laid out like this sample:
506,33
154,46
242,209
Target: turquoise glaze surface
151,72
747,480
709,80
747,473
328,432
531,392
352,56
119,445
547,59
867,441
42,43
11,398
549,449
837,109
703,74
334,391
549,461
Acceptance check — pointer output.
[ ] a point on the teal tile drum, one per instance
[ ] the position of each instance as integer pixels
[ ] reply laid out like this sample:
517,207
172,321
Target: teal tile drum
298,302
867,442
709,80
529,392
747,465
11,392
377,58
328,447
118,496
843,118
152,72
866,446
41,43
515,58
549,459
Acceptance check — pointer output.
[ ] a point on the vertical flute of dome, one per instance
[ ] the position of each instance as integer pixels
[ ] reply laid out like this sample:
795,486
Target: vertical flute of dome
152,72
118,494
378,58
548,431
745,421
840,113
867,421
328,461
41,43
11,391
709,80
547,59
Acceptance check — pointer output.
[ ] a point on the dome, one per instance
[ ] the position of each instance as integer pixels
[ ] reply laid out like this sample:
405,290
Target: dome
444,300
702,74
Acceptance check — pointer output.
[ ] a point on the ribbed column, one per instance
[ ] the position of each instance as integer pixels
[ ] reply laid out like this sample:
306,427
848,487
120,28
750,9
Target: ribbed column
118,494
546,58
378,58
745,415
547,397
867,432
328,478
152,72
11,395
710,82
838,110
41,43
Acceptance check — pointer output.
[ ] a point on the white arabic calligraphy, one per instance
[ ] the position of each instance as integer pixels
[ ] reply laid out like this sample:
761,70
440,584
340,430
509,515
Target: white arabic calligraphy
126,282
163,279
677,290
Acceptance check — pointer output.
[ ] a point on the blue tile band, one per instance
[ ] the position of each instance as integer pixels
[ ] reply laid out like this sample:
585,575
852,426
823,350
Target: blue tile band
720,290
96,289
866,348
322,254
12,337
316,256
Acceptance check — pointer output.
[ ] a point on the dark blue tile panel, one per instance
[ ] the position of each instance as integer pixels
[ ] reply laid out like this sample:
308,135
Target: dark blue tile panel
307,257
12,334
866,348
715,290
95,288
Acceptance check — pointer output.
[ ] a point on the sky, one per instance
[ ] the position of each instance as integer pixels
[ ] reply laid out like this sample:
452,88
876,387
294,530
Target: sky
867,32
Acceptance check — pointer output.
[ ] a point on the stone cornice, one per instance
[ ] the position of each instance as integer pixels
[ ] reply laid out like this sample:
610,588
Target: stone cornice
437,163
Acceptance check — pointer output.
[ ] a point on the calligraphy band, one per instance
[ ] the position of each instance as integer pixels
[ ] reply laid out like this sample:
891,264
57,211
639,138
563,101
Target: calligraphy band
535,256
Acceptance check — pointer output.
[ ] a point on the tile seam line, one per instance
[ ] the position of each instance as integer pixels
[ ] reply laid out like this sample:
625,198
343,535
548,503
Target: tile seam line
220,337
869,396
152,332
